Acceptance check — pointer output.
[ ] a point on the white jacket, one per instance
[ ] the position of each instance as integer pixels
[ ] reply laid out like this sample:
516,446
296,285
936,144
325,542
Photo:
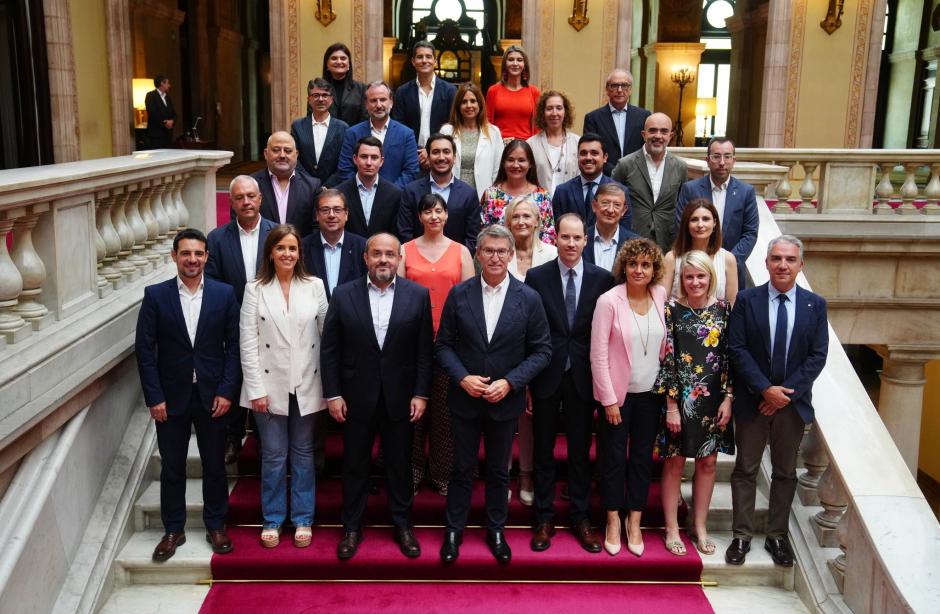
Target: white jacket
489,151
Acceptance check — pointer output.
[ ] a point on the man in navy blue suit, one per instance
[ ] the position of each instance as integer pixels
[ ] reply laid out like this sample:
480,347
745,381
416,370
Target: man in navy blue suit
187,355
606,236
569,288
288,196
331,253
424,104
493,340
318,135
372,200
463,207
376,356
398,141
735,201
618,122
778,340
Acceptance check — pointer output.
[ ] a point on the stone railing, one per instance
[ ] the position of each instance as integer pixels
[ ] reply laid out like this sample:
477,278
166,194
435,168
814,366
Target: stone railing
863,181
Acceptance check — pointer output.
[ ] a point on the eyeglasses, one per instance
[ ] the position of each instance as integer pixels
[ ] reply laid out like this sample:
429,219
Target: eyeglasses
320,96
609,204
333,210
716,157
619,86
489,252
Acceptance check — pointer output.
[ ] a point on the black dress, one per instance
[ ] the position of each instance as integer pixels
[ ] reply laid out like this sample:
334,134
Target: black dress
695,372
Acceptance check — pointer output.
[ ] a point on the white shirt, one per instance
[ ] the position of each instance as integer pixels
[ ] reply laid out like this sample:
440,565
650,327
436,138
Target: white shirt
605,251
367,196
656,172
162,96
493,299
380,303
332,257
191,305
718,198
379,133
424,102
646,331
620,123
319,133
249,243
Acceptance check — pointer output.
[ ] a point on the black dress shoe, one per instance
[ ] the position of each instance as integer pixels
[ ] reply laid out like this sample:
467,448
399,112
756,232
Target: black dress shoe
349,545
588,539
737,551
542,539
779,549
408,543
450,549
496,540
232,449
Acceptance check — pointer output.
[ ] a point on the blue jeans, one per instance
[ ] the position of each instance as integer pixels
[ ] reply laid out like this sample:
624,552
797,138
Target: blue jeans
279,435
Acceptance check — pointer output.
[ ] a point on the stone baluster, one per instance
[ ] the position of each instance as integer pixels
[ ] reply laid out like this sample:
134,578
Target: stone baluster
833,500
139,229
12,326
838,563
783,190
121,222
172,212
816,461
909,190
150,223
101,250
31,267
808,189
180,203
884,190
110,239
932,192
160,217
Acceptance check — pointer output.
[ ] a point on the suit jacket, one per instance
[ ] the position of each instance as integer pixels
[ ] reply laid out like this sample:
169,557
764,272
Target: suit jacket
520,348
158,135
569,198
407,110
399,150
353,365
166,358
319,164
601,121
486,161
652,219
749,346
463,212
226,262
543,167
301,200
351,263
623,237
384,215
353,95
568,342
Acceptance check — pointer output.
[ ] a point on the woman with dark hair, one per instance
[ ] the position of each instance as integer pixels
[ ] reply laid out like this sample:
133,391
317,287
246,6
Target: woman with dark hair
516,179
511,102
479,143
554,147
437,263
349,95
281,321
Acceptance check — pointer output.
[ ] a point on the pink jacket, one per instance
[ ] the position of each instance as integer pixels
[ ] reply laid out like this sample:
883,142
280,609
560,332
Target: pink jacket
610,343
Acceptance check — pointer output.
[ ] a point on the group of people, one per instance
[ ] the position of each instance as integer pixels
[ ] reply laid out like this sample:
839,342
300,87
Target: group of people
437,283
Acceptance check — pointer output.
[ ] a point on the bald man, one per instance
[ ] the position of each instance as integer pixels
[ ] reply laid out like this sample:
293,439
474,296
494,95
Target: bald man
618,122
288,195
654,177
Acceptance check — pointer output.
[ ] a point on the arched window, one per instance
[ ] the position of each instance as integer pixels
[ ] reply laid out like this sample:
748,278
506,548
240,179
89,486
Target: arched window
714,71
451,9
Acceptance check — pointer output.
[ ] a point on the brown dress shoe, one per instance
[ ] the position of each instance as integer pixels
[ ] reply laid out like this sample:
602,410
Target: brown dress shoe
587,537
543,536
167,546
221,543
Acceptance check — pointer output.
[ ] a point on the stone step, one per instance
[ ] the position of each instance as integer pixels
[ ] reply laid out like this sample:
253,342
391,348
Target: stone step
749,599
719,512
147,507
723,469
758,569
156,599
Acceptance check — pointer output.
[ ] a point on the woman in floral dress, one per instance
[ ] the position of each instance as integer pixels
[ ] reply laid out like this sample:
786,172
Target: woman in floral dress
517,178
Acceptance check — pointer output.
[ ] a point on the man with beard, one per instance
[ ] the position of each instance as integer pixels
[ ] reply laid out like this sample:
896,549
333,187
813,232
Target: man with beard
288,196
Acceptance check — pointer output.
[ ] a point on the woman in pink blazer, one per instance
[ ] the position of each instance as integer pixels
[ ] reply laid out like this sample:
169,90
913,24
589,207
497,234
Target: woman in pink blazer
628,340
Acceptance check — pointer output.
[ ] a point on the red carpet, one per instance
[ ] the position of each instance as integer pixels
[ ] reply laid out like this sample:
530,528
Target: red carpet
223,209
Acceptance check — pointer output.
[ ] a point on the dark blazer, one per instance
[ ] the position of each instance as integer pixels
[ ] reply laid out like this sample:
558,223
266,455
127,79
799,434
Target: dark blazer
354,367
749,348
321,165
520,348
158,135
226,262
301,200
353,95
351,263
384,217
623,237
399,150
463,212
568,342
652,219
569,198
407,110
166,358
601,121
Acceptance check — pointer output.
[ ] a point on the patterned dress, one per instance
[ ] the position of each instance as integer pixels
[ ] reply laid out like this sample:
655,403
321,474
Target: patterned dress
695,372
495,201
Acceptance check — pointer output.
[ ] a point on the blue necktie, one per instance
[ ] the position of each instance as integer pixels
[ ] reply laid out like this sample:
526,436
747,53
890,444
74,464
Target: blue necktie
778,362
589,196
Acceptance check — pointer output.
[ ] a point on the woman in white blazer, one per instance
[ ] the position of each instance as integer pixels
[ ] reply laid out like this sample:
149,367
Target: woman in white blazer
479,143
281,321
555,148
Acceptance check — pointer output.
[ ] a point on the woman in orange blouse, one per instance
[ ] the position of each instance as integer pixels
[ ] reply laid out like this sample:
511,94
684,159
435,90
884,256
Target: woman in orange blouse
510,103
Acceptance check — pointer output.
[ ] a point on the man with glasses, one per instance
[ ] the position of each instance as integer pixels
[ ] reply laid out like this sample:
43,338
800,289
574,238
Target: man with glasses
618,122
606,234
319,136
735,201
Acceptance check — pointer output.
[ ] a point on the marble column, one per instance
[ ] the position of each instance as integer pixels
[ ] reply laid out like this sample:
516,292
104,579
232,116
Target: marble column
662,58
63,93
900,402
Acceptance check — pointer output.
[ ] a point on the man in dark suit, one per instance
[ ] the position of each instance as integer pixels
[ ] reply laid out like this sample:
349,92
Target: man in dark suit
288,197
398,141
654,177
160,114
606,236
376,357
619,123
577,194
424,104
372,200
569,288
778,340
463,206
318,135
235,252
331,253
492,341
187,355
735,201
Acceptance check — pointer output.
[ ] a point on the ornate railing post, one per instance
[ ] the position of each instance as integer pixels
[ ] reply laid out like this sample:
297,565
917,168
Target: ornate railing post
110,239
838,563
783,190
12,325
884,191
119,219
833,501
138,228
31,268
816,461
932,192
909,190
160,217
808,188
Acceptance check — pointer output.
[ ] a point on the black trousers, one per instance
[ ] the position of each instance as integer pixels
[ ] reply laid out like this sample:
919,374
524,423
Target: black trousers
497,445
358,436
173,443
640,417
321,425
578,416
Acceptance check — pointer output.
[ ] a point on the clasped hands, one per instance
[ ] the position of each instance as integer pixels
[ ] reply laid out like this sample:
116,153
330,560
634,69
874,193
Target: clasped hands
775,399
479,386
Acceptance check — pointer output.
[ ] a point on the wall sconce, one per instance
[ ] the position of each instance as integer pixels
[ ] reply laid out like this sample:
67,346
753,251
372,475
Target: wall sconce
579,17
681,76
325,14
705,108
139,89
833,20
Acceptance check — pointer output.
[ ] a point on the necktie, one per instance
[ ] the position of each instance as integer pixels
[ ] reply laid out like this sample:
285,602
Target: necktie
589,196
571,300
778,363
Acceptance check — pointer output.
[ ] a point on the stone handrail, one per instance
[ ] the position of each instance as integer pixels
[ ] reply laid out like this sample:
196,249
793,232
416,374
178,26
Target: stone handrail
845,180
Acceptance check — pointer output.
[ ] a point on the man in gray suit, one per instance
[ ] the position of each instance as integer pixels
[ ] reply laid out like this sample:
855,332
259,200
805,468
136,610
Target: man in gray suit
654,178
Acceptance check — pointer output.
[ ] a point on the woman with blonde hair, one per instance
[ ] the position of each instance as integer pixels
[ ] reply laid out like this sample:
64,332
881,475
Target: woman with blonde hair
554,146
511,102
479,144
